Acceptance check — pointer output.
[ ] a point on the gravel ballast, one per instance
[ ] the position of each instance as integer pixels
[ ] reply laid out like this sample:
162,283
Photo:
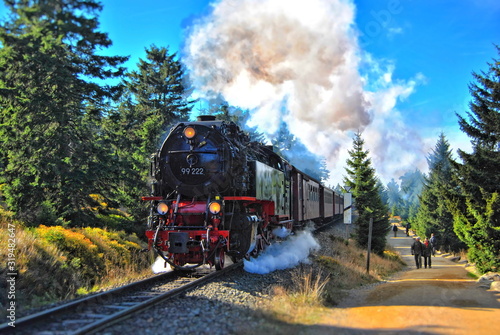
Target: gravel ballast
226,306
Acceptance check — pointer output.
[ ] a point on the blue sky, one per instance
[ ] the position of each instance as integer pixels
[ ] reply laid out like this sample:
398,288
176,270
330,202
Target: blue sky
443,40
414,60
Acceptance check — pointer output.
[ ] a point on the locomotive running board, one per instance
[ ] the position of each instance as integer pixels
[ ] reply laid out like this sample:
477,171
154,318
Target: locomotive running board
235,198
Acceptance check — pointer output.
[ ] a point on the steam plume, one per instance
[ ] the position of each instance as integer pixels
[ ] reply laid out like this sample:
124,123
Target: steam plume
159,266
296,62
286,254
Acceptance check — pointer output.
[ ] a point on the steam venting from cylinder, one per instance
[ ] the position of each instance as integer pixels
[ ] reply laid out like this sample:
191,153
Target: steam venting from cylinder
289,253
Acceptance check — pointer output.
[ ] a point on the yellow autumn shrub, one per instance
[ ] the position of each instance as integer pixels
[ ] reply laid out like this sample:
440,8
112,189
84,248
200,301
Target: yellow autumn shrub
54,263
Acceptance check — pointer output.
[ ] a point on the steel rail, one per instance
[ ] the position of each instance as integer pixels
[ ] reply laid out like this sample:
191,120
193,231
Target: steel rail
104,299
91,299
112,319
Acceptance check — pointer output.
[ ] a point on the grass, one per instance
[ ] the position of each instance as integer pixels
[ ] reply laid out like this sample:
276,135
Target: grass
311,286
472,275
322,284
56,263
472,271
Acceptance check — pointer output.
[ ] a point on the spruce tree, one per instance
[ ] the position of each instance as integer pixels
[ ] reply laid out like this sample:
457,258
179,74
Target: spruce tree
433,215
383,192
50,107
476,205
393,197
155,97
363,182
412,183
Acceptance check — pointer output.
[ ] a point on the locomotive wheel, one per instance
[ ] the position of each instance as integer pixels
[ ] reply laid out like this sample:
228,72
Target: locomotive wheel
219,258
259,247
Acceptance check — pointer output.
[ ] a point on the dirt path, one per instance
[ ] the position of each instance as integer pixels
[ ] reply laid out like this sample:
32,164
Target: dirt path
440,300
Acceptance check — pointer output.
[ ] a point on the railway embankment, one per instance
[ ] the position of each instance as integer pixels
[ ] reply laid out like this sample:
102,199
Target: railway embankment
47,265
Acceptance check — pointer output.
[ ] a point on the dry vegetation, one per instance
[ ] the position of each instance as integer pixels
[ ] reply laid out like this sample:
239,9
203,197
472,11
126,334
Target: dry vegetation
324,282
57,263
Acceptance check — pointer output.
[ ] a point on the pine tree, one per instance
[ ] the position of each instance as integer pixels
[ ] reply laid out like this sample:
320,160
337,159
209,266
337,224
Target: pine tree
393,197
361,178
155,97
412,183
223,111
383,192
476,206
50,106
433,215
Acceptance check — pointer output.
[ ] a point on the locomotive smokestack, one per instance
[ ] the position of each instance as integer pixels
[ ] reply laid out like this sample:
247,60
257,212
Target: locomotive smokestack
205,118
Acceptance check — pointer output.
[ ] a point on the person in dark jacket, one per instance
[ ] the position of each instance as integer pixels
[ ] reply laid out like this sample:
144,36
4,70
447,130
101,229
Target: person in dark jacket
408,229
433,241
395,230
427,253
417,250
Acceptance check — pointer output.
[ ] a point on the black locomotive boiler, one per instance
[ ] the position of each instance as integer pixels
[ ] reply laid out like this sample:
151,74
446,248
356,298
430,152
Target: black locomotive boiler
215,192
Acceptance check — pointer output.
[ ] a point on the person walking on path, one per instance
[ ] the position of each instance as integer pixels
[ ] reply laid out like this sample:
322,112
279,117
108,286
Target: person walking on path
427,252
416,250
433,241
395,230
408,229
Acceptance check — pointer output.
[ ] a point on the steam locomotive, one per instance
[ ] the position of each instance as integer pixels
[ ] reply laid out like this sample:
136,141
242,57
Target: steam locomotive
215,192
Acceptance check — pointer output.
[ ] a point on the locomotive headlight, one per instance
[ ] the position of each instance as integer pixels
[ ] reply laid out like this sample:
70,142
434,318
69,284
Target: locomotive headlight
162,208
189,132
214,207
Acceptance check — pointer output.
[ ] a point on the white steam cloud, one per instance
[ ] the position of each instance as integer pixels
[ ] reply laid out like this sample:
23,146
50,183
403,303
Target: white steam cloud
299,62
281,232
159,266
284,255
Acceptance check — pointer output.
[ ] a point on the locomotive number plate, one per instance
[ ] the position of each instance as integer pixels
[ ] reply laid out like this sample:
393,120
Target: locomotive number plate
193,171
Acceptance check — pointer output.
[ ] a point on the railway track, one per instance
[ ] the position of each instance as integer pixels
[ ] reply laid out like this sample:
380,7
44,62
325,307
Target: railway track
90,314
96,312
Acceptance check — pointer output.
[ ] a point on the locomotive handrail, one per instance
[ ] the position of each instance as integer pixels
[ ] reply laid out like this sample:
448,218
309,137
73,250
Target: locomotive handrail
151,198
185,227
197,151
187,214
